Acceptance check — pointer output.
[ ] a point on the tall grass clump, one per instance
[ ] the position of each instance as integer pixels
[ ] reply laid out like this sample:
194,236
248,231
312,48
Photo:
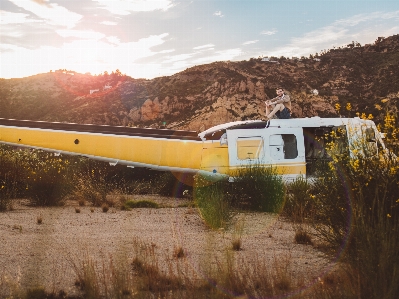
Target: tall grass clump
358,209
213,202
258,188
300,201
300,207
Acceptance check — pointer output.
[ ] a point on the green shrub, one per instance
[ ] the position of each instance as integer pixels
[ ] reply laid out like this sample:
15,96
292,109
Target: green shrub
254,187
258,188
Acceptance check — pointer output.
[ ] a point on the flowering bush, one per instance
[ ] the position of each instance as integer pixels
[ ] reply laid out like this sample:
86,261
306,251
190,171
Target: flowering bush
48,178
11,172
358,210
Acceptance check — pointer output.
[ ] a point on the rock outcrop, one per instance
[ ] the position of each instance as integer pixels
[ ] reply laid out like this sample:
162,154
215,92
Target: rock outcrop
219,92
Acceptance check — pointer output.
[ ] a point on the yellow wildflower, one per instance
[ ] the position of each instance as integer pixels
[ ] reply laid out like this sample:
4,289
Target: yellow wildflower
355,164
348,106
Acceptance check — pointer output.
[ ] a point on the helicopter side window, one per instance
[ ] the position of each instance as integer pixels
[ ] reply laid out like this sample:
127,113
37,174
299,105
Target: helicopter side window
290,146
283,146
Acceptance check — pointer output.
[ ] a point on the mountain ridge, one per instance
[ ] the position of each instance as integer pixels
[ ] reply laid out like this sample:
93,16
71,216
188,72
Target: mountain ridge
206,95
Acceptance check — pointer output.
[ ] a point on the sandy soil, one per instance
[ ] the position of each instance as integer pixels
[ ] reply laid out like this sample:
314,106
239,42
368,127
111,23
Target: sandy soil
34,254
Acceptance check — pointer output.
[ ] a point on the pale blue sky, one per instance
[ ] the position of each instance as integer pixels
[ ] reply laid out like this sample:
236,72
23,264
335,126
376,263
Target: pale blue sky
152,38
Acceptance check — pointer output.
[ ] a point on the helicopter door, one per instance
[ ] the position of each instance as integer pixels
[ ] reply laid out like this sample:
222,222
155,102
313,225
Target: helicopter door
246,147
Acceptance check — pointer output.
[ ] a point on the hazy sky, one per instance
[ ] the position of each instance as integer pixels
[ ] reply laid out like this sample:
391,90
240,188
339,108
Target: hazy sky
152,38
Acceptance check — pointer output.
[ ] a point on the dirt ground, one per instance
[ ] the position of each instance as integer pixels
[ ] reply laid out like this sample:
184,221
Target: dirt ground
33,254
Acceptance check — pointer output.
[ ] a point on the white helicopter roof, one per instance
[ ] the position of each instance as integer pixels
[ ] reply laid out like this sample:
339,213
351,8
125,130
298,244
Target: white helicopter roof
315,121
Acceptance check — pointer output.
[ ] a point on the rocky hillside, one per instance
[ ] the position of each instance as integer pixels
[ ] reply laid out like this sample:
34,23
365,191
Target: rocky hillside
206,95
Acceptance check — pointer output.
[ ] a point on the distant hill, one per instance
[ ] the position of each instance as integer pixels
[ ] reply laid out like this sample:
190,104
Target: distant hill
210,94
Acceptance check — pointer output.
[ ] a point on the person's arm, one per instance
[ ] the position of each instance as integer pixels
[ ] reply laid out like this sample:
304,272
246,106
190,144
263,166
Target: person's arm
285,99
269,102
276,100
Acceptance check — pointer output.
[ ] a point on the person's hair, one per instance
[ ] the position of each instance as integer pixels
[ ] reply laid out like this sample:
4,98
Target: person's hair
280,88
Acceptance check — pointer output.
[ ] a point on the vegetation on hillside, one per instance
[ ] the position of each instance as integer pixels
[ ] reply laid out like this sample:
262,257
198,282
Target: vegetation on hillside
361,75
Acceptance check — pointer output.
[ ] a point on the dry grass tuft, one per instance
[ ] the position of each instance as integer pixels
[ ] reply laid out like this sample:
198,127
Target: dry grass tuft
179,252
236,244
303,237
281,273
152,279
138,266
147,277
238,231
18,227
105,207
